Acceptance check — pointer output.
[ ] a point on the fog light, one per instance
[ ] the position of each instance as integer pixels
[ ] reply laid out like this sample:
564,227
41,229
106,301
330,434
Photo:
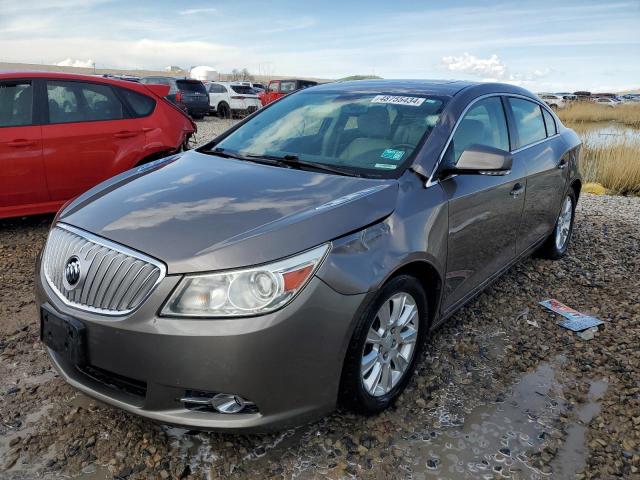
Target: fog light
228,403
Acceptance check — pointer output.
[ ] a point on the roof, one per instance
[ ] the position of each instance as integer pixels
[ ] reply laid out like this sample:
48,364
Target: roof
447,88
75,76
433,87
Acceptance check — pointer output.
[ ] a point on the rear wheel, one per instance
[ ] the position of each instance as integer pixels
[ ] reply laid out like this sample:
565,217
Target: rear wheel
224,111
557,243
385,346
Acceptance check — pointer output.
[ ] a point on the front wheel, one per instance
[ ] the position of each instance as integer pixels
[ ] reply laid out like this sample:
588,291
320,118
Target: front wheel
556,245
387,341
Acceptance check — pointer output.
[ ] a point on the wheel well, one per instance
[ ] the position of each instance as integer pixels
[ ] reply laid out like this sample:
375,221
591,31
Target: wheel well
429,277
576,186
223,103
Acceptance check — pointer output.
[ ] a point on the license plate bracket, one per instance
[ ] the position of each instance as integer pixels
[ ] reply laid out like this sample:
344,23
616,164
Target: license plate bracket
64,335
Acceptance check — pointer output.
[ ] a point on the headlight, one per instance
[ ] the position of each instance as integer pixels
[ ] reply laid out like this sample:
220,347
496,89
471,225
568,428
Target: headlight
251,291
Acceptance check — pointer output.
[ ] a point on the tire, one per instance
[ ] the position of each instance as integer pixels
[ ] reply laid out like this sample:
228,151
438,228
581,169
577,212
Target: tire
224,111
356,392
556,245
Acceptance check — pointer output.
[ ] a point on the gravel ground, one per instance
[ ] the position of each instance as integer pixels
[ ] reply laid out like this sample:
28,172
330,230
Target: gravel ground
502,391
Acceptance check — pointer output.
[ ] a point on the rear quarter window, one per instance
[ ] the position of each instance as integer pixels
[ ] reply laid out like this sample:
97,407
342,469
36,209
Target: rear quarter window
140,105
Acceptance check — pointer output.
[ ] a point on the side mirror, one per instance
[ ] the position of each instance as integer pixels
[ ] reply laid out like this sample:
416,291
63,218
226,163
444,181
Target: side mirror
483,160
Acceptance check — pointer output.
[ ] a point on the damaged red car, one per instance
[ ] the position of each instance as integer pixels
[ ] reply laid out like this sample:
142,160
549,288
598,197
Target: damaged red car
61,134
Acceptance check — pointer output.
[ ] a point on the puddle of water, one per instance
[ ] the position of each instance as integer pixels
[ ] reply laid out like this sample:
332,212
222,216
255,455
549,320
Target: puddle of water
491,440
606,132
571,456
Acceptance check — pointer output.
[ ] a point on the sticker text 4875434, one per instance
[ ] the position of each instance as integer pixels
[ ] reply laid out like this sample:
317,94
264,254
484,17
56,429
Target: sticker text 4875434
398,100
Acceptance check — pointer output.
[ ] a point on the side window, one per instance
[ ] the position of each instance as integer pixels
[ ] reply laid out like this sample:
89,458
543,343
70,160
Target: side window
274,86
100,103
550,123
16,103
82,102
139,103
63,102
529,122
483,124
286,87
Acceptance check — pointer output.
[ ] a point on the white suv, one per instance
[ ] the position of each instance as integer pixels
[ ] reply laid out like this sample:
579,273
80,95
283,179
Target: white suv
228,99
553,100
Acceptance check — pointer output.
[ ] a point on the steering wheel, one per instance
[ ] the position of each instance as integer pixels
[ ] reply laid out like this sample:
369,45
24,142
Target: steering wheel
402,145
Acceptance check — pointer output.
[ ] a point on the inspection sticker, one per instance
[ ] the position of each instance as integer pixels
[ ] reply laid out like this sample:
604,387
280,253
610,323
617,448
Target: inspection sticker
386,166
391,154
398,100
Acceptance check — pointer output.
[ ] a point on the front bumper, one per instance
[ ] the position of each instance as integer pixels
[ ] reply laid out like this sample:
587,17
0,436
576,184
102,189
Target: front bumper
288,362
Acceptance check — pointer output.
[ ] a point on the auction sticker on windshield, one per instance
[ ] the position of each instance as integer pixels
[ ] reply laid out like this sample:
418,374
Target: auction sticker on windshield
398,100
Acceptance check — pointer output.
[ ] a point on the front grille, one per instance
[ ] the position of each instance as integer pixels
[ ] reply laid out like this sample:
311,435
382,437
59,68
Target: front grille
114,381
113,280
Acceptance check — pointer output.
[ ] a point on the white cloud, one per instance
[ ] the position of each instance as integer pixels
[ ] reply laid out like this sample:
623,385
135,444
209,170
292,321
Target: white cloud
491,67
67,62
195,11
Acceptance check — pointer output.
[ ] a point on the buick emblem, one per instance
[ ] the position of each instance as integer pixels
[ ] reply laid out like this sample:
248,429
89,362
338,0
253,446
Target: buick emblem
72,273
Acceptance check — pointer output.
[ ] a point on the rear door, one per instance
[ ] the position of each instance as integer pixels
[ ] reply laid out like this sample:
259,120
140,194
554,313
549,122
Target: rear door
87,138
546,172
484,210
217,93
22,177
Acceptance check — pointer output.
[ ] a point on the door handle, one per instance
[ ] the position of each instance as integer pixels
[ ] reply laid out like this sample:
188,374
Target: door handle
518,188
21,143
125,134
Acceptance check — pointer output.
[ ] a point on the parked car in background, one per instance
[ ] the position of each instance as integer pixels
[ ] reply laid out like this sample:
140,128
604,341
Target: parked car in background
129,78
232,99
61,134
567,96
553,100
255,86
631,98
189,94
301,259
606,101
583,96
280,88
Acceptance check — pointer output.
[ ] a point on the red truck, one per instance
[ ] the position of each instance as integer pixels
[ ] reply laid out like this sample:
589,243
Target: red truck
280,88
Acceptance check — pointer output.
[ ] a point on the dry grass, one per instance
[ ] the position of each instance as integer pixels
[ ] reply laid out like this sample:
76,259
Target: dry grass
579,112
616,166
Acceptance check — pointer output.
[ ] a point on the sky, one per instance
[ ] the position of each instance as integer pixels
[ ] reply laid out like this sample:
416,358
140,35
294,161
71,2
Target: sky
542,45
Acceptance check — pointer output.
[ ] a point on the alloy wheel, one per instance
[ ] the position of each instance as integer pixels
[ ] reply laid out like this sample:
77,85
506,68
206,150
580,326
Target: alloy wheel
564,223
390,344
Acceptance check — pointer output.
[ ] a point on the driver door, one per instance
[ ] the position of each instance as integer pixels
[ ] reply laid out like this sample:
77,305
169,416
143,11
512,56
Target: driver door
484,210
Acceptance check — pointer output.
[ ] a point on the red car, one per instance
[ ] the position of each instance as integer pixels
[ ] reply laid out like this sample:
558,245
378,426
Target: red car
61,134
280,88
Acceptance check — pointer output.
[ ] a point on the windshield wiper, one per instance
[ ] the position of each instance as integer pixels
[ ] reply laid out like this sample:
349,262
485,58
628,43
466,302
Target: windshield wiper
293,161
221,152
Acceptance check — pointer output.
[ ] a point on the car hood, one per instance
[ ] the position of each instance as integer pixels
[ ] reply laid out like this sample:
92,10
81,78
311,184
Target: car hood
199,212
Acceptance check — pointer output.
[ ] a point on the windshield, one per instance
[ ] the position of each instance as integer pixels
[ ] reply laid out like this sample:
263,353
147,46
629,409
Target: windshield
367,133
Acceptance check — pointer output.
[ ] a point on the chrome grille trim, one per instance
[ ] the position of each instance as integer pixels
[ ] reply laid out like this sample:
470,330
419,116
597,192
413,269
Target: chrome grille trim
116,279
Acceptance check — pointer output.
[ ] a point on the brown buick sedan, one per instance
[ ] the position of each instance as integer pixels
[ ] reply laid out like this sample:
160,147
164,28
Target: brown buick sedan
301,258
